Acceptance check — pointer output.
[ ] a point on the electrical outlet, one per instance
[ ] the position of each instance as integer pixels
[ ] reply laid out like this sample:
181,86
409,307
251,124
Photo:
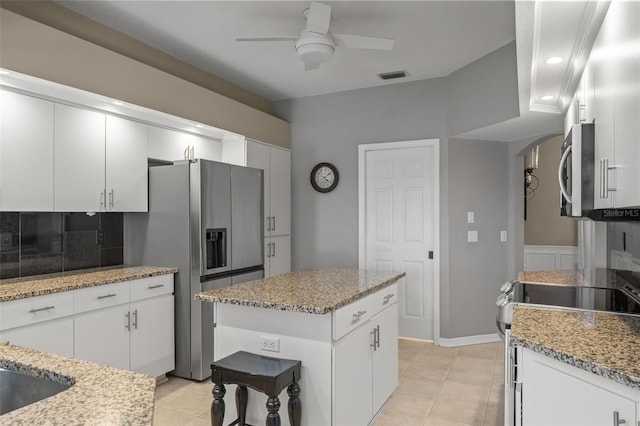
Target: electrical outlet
271,344
471,217
503,236
472,236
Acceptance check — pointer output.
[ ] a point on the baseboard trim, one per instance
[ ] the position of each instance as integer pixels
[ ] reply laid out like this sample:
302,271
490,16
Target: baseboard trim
469,340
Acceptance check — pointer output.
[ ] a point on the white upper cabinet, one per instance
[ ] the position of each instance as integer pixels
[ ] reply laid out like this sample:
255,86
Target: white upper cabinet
126,165
79,158
26,153
615,62
171,145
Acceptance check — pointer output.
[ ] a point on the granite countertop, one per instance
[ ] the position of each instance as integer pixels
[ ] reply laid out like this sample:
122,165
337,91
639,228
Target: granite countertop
100,395
599,277
603,343
316,291
20,288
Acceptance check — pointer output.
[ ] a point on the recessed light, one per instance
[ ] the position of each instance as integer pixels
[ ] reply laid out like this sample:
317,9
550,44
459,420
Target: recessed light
118,103
199,126
554,60
547,97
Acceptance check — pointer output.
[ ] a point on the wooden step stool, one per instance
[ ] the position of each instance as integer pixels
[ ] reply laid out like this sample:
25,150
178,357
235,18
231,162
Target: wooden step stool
264,374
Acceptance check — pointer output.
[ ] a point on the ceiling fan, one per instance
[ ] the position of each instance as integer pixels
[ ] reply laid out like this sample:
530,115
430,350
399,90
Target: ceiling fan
316,44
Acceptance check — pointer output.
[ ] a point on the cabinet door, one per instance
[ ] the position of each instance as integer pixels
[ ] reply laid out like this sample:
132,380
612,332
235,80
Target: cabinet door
103,336
385,357
280,182
152,338
258,157
26,153
352,358
280,255
126,165
627,106
206,149
79,160
559,394
167,145
55,336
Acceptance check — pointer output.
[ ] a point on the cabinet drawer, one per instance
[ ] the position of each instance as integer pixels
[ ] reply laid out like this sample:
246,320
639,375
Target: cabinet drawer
33,310
351,317
103,296
384,298
150,287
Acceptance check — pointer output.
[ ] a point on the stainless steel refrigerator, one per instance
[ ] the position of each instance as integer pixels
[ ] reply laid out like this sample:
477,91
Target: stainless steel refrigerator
205,218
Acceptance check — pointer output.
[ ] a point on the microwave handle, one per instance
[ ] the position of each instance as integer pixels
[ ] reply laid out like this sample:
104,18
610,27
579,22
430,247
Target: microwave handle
563,160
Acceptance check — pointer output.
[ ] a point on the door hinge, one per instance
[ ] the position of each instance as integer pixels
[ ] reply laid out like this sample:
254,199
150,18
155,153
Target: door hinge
430,254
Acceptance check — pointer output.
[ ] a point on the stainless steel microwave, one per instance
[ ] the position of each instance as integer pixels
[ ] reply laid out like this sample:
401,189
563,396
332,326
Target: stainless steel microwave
576,173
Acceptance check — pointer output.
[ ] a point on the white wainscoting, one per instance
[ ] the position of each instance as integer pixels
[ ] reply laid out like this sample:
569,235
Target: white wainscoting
547,258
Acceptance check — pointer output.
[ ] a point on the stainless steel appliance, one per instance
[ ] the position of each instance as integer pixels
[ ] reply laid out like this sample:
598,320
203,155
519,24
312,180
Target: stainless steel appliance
576,173
205,218
620,293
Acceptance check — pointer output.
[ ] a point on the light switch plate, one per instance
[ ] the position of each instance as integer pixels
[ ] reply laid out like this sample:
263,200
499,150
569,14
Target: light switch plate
503,236
472,236
471,217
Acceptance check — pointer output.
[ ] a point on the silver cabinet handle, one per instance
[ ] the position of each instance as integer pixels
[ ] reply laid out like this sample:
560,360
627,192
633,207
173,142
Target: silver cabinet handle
186,153
151,287
102,200
273,226
135,319
106,296
46,308
606,169
128,324
357,315
273,254
268,254
378,336
387,298
563,188
603,172
617,420
373,344
111,198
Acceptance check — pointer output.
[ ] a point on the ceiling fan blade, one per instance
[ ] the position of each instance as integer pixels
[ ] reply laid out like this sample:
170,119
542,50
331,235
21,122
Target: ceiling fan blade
318,18
362,42
308,66
276,38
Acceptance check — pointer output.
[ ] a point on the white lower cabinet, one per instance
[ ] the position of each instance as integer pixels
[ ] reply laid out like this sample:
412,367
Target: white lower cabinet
277,257
366,360
555,393
127,325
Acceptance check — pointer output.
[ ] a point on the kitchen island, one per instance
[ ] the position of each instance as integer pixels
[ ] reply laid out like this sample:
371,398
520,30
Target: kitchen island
341,323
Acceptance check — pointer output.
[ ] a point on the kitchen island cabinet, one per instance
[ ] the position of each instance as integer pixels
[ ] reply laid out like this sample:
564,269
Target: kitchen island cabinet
342,325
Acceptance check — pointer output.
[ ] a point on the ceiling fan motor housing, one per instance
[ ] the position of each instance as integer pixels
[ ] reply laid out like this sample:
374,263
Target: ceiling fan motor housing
314,48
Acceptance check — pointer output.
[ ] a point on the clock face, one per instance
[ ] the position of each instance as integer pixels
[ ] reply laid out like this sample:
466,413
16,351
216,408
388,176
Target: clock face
324,177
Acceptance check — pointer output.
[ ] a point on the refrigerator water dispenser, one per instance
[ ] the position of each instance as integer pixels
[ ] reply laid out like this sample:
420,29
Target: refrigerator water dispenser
216,248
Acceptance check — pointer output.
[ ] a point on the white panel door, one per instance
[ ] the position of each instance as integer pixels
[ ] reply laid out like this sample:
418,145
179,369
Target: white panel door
280,189
126,165
79,154
26,153
400,208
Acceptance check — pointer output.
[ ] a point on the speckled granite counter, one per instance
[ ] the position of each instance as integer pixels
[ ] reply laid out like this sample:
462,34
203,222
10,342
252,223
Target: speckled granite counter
602,343
600,277
100,395
20,288
312,291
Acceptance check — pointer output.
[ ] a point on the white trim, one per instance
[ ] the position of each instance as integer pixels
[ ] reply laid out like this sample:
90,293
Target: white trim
557,252
362,150
469,340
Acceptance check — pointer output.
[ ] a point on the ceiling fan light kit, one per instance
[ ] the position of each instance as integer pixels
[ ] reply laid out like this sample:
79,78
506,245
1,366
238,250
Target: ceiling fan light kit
316,45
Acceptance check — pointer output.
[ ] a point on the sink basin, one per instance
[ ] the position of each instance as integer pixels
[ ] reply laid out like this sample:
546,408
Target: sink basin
18,390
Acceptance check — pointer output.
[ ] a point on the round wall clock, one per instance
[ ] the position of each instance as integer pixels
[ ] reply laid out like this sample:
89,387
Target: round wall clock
324,177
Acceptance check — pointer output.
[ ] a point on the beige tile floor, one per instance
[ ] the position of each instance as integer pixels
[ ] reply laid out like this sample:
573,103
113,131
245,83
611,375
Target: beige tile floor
438,387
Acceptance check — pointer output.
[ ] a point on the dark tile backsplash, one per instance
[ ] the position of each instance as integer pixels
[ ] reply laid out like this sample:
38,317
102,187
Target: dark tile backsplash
43,243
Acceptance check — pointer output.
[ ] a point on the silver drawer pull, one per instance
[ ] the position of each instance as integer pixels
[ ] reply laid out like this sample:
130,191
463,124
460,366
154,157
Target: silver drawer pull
357,315
107,296
151,287
387,298
46,308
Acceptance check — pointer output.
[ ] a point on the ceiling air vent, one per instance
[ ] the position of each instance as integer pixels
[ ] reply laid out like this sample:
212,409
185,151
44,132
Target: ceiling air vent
393,74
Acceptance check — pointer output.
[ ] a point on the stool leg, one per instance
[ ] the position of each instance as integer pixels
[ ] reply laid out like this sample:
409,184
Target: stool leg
241,404
217,406
295,412
273,405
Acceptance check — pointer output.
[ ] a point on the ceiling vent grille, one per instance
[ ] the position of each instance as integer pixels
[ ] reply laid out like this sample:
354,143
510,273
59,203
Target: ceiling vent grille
393,74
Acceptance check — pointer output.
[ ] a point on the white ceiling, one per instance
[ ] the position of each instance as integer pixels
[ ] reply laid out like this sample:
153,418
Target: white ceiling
433,39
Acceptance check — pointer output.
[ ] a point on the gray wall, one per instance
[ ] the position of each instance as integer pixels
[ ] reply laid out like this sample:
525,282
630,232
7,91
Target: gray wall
330,127
478,172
